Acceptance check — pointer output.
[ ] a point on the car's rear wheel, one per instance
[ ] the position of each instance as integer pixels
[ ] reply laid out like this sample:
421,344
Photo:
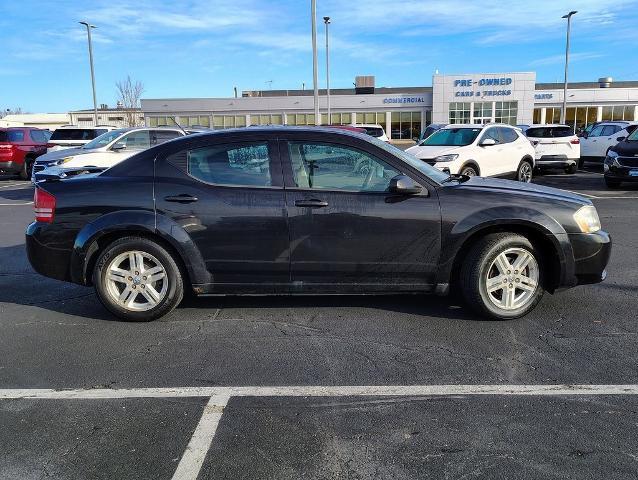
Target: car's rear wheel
469,171
137,279
27,167
612,183
502,276
525,172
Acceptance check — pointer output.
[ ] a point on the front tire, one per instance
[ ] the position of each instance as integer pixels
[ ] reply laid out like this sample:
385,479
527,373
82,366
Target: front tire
502,276
137,279
525,172
469,171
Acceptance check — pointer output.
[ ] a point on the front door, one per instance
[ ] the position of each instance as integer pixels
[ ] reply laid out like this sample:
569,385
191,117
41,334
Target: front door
229,199
347,232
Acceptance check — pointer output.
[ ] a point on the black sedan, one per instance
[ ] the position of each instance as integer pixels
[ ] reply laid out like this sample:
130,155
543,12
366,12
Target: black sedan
621,162
285,210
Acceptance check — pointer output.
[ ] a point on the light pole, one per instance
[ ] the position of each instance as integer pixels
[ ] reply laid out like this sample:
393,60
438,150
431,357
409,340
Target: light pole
563,113
326,20
313,8
88,31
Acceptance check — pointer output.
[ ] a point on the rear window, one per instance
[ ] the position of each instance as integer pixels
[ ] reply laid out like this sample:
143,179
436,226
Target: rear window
11,136
374,131
76,133
549,132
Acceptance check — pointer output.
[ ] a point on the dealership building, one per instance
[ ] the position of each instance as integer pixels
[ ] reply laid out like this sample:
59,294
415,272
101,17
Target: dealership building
513,97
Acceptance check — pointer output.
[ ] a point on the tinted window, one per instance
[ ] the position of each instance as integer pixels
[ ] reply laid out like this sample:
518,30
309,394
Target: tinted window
508,135
610,130
596,131
549,132
161,136
103,140
631,128
37,136
76,133
334,167
139,140
13,136
237,164
374,131
452,137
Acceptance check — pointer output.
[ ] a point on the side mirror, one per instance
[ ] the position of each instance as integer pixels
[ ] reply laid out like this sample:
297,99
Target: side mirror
620,139
488,142
404,185
118,146
584,135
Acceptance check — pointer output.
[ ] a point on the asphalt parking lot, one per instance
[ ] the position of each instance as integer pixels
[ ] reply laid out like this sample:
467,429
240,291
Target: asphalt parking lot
83,395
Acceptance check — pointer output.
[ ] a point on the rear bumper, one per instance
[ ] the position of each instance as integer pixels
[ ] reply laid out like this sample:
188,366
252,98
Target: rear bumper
10,166
46,257
591,255
555,161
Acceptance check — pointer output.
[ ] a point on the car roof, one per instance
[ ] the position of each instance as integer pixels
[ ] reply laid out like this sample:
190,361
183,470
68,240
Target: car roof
371,125
477,125
540,125
281,129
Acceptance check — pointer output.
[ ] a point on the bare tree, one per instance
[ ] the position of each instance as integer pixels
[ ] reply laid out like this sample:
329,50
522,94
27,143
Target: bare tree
10,111
128,94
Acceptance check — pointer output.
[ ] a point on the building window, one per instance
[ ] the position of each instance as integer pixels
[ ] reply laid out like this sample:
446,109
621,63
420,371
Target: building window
537,116
405,125
275,119
482,112
460,112
506,112
115,119
86,119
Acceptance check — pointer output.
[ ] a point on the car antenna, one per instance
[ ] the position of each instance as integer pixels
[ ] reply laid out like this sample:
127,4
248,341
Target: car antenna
177,123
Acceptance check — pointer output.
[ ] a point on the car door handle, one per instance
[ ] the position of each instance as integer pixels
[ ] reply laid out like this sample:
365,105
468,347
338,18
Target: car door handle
312,203
183,198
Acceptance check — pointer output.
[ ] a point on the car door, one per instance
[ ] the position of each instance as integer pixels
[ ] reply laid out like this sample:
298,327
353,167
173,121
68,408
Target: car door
491,158
515,147
347,231
227,196
607,139
589,144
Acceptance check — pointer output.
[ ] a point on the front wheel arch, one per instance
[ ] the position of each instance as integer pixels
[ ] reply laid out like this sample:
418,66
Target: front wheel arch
473,164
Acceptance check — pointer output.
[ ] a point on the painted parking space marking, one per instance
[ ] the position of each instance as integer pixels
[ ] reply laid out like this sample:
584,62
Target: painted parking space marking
15,204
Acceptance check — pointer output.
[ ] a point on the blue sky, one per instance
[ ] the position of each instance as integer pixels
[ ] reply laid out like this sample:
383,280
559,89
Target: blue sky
202,48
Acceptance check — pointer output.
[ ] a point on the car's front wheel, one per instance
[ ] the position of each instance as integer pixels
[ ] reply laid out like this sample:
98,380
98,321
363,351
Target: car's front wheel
469,171
137,279
502,276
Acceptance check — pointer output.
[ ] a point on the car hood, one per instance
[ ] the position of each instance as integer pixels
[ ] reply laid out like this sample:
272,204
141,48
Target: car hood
427,151
520,188
60,154
626,148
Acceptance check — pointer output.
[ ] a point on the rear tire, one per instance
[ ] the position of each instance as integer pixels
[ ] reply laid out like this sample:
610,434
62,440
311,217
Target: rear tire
124,289
489,289
525,172
612,183
27,167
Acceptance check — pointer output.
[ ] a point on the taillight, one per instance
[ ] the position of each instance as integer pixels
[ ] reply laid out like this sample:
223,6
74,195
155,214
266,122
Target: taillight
575,141
44,205
6,146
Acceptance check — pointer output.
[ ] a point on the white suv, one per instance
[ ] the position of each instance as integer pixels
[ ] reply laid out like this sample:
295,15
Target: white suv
70,136
557,146
492,150
374,130
603,136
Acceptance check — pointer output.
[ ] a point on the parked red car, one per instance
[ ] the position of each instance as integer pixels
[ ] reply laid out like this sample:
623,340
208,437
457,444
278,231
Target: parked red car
19,147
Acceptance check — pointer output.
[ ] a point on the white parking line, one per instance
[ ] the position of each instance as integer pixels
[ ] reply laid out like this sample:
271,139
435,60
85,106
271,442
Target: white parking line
319,391
13,185
14,204
193,458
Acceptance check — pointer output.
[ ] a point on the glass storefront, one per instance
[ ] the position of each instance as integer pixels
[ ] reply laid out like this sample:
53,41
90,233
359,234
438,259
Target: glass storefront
580,117
405,125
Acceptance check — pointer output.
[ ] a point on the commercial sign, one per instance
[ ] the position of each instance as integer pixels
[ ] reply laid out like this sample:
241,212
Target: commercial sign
467,83
404,100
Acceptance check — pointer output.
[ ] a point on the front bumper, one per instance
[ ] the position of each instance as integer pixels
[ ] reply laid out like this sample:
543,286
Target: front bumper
620,174
591,255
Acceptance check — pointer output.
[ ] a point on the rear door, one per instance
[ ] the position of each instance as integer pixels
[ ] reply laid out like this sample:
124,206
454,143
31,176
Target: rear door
227,195
347,232
589,147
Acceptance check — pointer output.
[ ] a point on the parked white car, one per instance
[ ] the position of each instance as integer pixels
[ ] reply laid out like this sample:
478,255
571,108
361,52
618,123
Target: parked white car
374,130
109,148
492,150
557,146
72,136
604,136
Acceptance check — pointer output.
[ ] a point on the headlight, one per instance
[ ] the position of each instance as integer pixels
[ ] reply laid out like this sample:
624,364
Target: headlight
587,219
612,154
612,159
446,158
63,161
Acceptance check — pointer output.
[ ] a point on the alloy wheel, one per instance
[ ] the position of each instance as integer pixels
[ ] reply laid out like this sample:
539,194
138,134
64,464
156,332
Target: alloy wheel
525,173
136,281
512,279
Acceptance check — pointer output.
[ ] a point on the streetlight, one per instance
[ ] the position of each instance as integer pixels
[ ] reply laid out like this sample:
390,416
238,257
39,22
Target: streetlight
313,12
326,20
88,31
563,113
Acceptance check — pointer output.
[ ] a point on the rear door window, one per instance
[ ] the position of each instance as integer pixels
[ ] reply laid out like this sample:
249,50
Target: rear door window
37,136
76,133
139,140
610,130
161,136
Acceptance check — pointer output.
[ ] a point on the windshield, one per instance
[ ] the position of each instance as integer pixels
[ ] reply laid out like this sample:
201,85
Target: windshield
452,137
103,140
431,172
